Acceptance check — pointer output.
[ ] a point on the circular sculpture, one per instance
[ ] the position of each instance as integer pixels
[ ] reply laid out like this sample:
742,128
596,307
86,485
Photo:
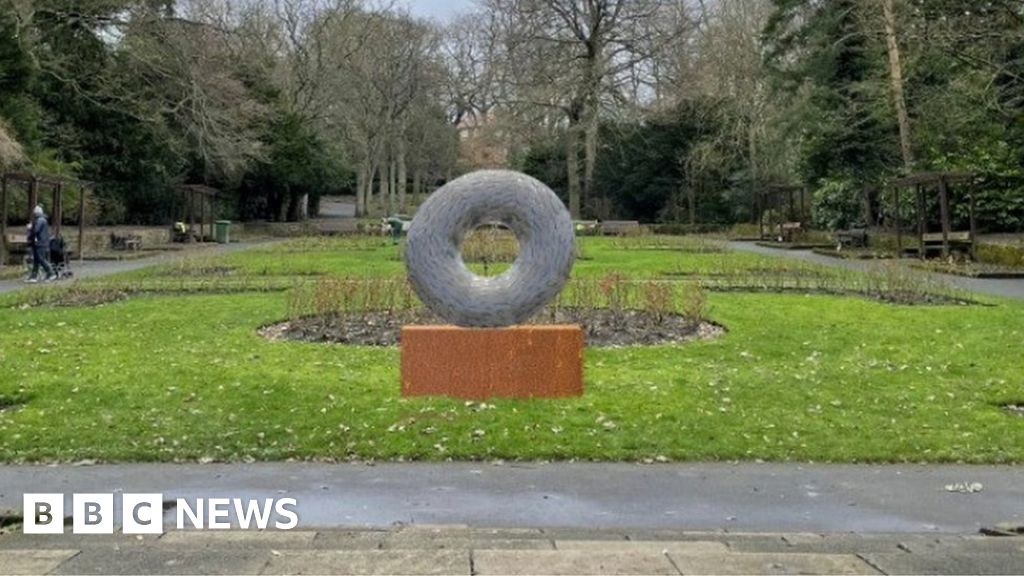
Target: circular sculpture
433,255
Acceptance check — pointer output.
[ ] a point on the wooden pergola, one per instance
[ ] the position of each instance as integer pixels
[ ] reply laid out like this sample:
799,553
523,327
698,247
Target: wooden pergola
775,197
941,182
56,185
206,197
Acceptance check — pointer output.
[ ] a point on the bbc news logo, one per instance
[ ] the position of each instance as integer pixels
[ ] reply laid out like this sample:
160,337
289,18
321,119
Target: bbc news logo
144,513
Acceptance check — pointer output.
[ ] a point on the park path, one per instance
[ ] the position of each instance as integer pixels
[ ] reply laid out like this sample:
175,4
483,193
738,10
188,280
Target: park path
788,497
478,551
97,268
1009,288
337,215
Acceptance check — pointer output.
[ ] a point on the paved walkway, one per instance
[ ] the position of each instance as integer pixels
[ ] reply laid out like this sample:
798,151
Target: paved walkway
338,207
465,550
96,268
686,496
337,215
1011,288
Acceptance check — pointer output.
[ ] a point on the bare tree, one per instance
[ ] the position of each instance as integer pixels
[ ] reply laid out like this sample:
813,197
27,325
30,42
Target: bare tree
180,71
572,56
725,65
374,93
470,48
310,54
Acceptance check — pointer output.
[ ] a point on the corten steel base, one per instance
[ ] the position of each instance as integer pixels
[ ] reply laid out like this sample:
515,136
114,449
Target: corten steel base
482,363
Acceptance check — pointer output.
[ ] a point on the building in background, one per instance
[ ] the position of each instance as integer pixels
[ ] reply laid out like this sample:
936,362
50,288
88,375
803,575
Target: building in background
482,142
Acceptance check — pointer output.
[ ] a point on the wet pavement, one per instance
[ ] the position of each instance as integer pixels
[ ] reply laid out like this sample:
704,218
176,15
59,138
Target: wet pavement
699,496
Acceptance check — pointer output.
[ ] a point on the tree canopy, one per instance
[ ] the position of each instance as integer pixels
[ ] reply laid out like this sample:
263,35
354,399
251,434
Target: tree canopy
658,110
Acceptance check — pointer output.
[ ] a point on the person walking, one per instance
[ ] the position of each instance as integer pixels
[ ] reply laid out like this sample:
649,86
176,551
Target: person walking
39,241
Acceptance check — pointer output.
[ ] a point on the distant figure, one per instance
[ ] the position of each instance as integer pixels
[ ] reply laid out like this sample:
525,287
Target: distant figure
39,241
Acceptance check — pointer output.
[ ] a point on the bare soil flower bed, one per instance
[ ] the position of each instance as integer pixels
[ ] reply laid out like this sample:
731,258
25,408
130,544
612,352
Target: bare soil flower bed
601,326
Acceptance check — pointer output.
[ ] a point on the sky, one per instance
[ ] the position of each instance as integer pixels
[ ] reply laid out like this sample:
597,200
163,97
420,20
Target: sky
441,10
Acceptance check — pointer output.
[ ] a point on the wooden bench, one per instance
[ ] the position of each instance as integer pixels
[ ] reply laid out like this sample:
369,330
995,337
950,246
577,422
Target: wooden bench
852,238
586,225
784,232
16,239
790,230
125,242
620,227
932,242
16,243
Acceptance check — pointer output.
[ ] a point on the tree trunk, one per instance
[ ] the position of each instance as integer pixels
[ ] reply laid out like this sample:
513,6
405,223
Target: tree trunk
360,188
417,180
675,200
589,157
896,84
691,204
867,207
592,74
757,216
268,212
403,175
364,188
371,198
384,190
292,210
392,185
572,168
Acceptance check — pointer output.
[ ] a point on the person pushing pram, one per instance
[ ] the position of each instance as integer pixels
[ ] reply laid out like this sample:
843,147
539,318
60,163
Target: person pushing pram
39,243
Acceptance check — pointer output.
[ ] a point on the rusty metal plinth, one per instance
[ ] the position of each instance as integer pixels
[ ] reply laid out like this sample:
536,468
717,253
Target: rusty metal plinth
481,363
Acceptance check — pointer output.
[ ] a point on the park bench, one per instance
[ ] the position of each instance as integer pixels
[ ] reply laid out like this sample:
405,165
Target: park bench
932,242
586,226
790,230
620,227
125,242
16,243
852,238
16,240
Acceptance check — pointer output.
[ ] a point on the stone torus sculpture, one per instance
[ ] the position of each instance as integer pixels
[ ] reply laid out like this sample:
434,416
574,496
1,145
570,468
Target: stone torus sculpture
529,209
485,353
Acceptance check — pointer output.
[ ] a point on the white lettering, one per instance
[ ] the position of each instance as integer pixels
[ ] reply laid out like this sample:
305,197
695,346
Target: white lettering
253,510
195,516
282,510
218,508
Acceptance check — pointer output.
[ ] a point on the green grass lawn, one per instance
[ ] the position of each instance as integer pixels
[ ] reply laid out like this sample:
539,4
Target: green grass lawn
176,371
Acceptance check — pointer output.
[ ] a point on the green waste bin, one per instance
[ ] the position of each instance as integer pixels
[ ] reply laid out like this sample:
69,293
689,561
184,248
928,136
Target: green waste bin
222,231
396,228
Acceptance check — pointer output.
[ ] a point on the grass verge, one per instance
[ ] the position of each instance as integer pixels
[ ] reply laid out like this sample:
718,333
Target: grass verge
178,372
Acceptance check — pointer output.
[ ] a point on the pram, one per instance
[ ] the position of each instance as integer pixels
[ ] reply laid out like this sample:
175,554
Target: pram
60,259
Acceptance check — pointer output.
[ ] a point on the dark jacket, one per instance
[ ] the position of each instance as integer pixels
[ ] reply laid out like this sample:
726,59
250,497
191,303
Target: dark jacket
40,235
